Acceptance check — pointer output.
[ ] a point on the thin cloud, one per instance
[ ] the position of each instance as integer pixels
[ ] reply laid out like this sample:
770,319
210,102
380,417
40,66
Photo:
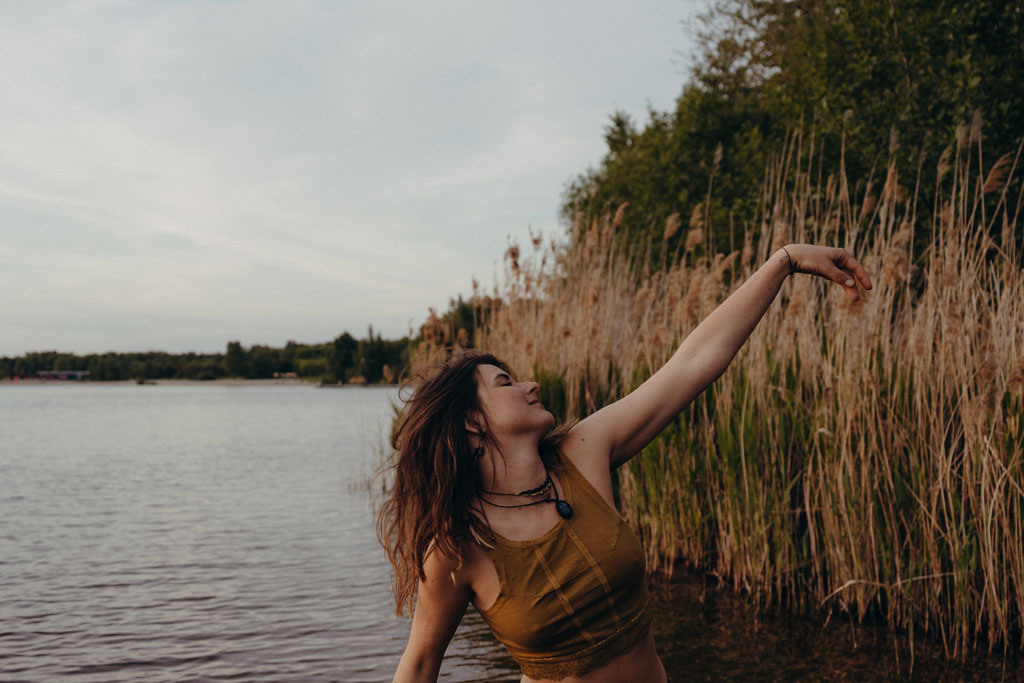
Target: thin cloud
264,171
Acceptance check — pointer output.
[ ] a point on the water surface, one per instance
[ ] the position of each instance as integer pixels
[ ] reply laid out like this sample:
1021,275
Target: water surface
225,533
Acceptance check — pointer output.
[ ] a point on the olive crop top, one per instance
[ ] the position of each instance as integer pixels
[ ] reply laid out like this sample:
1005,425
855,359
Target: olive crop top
576,598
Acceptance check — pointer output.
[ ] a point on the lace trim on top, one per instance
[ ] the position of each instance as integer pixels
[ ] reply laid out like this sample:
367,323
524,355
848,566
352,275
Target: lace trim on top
593,657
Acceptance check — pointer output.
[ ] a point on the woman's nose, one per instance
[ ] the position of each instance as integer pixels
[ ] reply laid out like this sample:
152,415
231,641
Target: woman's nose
532,387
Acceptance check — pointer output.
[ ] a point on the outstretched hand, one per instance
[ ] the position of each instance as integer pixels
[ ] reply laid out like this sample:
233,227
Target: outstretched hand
831,263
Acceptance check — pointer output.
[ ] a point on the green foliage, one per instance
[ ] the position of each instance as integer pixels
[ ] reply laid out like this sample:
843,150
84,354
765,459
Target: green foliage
117,366
341,359
460,316
378,358
835,68
235,361
312,367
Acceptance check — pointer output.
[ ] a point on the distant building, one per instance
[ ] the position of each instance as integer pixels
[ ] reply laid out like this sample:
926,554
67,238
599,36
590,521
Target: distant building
63,374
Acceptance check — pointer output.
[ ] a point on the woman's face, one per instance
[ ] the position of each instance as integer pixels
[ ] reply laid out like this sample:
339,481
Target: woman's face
512,407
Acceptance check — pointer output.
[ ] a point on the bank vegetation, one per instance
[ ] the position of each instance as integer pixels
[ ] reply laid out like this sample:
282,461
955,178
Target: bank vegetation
855,459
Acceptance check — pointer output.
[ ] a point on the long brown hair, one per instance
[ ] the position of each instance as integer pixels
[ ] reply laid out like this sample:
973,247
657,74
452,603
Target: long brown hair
435,471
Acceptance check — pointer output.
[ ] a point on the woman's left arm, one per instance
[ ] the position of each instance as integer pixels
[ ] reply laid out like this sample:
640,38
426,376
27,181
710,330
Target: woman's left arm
623,428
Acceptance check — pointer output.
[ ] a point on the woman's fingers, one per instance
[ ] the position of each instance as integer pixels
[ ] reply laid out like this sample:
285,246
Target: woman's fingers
862,275
848,269
844,279
841,277
833,264
851,288
853,266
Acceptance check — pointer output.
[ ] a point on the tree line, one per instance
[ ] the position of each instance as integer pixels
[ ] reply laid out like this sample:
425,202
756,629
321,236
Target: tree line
864,80
346,359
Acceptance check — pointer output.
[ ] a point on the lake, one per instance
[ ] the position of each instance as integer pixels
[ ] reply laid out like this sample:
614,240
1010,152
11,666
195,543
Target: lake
213,532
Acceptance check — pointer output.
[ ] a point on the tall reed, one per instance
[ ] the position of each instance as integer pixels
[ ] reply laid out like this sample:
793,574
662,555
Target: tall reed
864,457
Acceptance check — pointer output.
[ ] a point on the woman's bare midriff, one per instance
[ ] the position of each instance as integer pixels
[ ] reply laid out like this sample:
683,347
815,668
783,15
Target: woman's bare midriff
639,665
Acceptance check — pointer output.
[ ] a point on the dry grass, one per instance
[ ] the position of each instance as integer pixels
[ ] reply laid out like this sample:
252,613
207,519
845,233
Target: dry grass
864,458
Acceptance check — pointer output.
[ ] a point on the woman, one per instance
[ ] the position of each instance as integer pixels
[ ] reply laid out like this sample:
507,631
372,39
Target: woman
492,506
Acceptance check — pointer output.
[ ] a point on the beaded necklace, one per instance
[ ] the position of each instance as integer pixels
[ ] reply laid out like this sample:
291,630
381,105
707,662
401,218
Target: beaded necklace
563,508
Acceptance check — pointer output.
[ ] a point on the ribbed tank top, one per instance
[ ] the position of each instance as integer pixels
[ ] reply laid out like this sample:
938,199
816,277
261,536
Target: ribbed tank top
576,598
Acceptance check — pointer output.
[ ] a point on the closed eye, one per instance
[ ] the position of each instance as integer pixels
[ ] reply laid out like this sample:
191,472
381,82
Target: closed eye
503,380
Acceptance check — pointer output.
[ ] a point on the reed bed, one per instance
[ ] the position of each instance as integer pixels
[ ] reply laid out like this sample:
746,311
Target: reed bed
860,458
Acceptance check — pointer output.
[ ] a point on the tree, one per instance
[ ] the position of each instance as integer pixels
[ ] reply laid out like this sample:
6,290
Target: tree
839,69
342,357
263,362
235,362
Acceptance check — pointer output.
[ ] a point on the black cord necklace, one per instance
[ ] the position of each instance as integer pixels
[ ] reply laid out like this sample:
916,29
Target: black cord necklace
563,508
535,491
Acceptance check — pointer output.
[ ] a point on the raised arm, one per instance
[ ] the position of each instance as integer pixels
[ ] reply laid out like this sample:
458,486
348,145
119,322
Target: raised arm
623,428
440,604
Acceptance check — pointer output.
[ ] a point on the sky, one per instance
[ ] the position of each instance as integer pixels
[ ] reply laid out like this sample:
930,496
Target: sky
175,175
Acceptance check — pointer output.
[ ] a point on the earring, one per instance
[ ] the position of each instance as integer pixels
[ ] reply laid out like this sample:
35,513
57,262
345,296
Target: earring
479,451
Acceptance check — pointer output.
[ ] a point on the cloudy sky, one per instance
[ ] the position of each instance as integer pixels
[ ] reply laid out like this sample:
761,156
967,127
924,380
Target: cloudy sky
174,175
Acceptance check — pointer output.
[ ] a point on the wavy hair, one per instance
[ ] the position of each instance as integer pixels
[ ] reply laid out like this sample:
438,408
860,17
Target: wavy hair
435,473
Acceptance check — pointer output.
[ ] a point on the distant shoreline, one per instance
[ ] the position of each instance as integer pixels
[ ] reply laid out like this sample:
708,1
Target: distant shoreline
174,382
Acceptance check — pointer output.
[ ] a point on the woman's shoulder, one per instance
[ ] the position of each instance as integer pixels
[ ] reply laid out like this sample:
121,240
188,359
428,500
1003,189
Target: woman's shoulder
439,563
460,570
581,443
587,445
584,448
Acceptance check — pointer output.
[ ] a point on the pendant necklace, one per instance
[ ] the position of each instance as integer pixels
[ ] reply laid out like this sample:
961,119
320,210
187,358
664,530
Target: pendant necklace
563,508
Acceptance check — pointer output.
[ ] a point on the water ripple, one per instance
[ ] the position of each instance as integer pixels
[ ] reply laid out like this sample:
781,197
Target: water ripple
206,533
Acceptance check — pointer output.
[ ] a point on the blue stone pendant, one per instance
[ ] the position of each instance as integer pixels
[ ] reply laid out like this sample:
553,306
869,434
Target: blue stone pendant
563,509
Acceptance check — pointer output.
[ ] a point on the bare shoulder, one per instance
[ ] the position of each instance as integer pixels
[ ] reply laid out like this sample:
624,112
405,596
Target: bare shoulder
586,446
444,572
470,574
441,597
589,449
